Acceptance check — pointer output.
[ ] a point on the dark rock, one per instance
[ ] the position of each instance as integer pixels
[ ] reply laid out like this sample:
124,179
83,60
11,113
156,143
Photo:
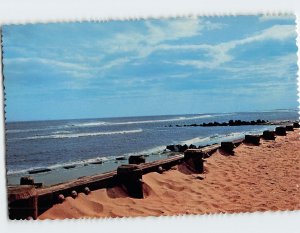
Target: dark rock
171,147
192,146
178,148
280,131
136,159
39,170
269,135
238,122
121,158
69,166
252,139
26,180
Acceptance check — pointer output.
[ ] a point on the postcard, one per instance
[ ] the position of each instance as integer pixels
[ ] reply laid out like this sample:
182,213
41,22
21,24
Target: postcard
151,117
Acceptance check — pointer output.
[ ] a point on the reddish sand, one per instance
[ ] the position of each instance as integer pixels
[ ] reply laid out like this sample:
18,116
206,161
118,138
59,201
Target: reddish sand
256,178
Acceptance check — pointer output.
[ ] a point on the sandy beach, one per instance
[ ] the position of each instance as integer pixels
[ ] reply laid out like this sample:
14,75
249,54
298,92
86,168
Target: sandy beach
255,178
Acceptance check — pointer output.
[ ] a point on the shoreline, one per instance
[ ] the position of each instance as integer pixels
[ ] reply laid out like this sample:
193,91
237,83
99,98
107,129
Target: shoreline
73,170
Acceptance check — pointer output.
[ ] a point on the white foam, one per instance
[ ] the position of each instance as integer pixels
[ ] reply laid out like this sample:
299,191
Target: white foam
62,132
90,124
36,129
77,135
60,165
224,137
196,140
215,138
157,121
154,150
23,130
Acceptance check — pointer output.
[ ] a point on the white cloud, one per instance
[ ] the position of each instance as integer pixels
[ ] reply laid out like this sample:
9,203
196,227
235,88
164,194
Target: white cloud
172,30
156,33
78,70
219,54
280,67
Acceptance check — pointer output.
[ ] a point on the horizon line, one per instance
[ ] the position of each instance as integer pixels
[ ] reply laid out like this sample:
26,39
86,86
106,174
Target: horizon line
90,118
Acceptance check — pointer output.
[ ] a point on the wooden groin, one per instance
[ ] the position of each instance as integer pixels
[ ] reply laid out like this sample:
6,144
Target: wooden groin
28,202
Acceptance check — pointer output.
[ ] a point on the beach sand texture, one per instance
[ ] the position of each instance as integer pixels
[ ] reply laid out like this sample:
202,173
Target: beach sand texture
255,178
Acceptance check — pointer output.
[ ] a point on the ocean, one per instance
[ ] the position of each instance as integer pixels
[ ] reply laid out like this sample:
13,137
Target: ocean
58,143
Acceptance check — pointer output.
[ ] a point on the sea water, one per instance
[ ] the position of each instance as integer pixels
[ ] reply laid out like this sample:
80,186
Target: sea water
55,144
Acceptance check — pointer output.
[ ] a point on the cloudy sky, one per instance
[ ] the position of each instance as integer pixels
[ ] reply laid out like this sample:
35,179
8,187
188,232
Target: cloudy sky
149,67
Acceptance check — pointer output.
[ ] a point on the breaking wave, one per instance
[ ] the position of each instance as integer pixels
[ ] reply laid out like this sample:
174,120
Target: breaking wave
77,135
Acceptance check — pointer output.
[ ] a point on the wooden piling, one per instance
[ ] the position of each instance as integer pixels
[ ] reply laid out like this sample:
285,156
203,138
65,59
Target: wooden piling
289,128
252,139
130,176
227,146
269,135
296,125
194,159
26,180
136,159
23,202
280,131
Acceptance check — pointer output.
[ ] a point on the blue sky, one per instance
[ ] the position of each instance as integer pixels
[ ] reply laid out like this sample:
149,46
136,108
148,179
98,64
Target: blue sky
150,67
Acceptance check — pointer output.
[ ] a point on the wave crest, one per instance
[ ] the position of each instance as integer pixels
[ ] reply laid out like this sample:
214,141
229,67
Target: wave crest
77,135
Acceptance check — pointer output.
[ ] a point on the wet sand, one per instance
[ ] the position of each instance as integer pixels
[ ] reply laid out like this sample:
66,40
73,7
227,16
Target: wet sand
255,178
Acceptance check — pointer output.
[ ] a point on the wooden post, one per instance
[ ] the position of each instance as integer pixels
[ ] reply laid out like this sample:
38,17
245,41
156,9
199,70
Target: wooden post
23,202
280,131
26,180
252,139
130,176
269,135
194,158
227,146
289,128
296,125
